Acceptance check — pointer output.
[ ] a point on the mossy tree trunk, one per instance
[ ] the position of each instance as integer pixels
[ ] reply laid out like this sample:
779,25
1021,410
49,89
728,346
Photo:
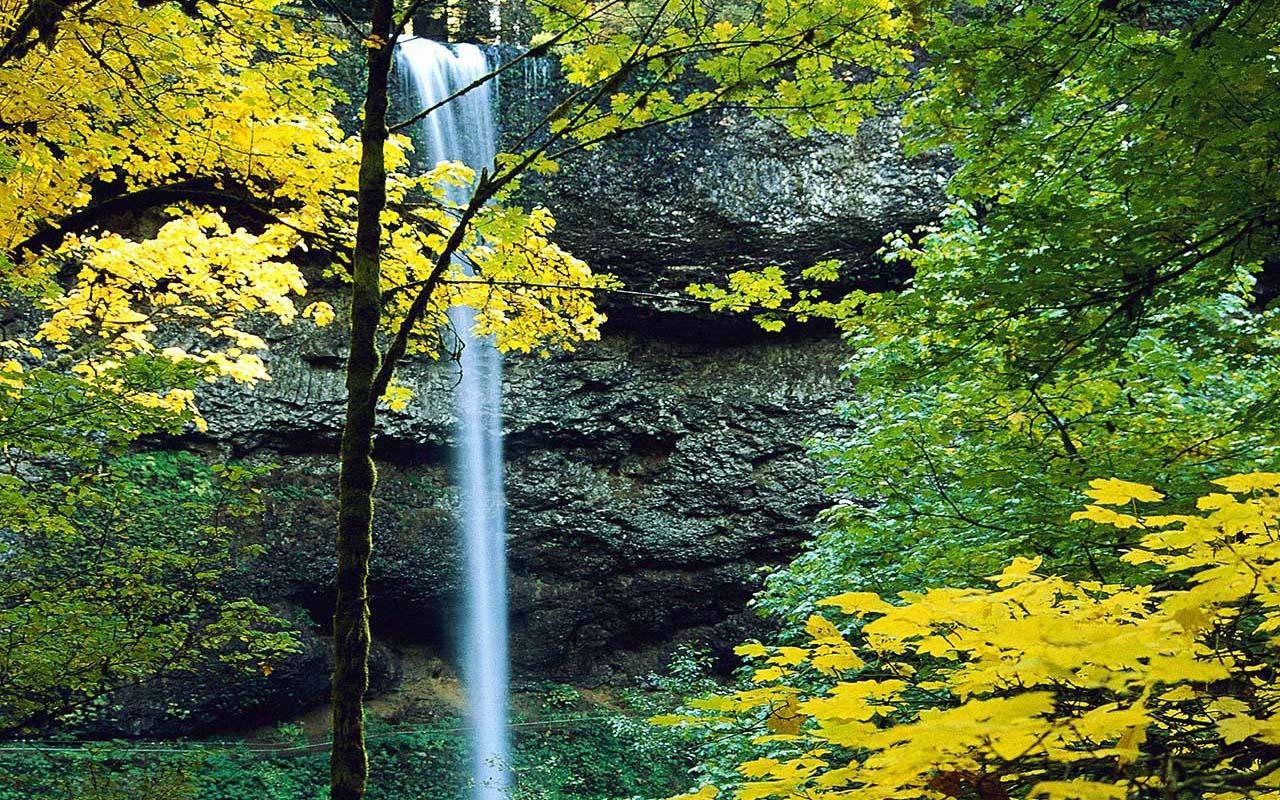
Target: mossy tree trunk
368,375
349,762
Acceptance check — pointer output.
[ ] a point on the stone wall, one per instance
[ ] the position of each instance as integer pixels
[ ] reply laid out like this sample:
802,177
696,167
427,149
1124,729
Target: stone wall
648,480
651,476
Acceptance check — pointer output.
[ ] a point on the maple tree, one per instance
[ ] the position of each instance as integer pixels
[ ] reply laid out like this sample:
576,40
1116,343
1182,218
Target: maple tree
1038,686
111,113
202,133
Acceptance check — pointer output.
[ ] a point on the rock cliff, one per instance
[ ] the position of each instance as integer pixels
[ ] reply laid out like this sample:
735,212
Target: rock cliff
651,476
647,480
728,190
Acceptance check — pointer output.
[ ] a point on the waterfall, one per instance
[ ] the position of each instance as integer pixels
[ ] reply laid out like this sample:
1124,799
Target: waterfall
465,130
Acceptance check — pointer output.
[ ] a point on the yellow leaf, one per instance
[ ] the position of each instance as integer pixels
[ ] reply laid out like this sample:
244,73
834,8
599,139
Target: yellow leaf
397,397
1079,790
321,313
1238,728
857,603
1115,492
751,650
1105,516
668,720
1193,619
1250,482
1020,570
723,30
786,719
1215,501
1161,520
821,629
838,660
758,768
789,656
1179,693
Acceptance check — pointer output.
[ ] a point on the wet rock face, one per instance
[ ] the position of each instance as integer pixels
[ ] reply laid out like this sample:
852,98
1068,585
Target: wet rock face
726,190
648,481
650,476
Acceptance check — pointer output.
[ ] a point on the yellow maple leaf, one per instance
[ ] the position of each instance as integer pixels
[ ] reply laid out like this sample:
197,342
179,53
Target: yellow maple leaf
768,674
758,768
1019,570
1105,516
787,718
322,313
751,650
1115,492
789,656
821,629
1250,482
1079,790
857,603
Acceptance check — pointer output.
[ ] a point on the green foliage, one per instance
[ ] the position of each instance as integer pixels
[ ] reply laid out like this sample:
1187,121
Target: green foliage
1117,175
1094,302
585,760
825,63
47,412
116,567
1089,305
103,771
558,697
966,453
118,575
592,763
689,674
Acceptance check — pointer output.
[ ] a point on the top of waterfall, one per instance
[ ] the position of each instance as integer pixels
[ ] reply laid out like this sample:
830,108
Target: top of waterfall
464,128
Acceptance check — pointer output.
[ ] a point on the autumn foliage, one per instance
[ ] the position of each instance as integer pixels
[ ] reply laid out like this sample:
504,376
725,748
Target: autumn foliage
1039,686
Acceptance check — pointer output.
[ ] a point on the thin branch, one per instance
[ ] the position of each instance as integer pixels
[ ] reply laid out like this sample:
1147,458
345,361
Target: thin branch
400,343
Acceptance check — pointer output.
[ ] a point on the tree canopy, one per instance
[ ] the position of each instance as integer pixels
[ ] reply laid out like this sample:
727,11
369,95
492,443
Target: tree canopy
1094,302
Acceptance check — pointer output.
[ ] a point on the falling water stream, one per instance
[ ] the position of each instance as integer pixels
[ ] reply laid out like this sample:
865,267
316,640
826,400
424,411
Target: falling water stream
465,130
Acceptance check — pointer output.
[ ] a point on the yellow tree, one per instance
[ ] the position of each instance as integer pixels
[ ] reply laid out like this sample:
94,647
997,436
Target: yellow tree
176,128
1038,686
202,136
203,130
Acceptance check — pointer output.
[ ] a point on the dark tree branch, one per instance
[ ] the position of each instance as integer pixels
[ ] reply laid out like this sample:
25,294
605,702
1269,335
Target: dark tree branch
203,191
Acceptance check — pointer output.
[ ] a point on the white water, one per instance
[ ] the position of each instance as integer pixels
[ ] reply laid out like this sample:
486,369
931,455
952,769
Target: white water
465,130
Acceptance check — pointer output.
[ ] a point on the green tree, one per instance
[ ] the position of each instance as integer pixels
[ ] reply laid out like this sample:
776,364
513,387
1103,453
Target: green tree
114,573
1094,302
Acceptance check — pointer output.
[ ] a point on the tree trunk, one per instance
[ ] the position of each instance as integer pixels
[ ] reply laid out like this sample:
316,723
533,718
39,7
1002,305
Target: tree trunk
349,762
